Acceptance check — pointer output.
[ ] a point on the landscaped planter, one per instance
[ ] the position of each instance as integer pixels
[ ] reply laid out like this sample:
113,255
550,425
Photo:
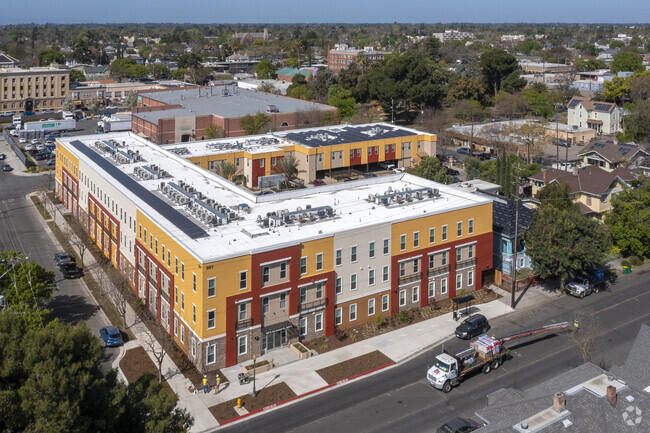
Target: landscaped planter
300,350
260,367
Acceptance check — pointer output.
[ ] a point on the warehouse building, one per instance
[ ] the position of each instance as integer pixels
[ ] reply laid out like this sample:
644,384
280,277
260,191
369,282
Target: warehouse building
230,274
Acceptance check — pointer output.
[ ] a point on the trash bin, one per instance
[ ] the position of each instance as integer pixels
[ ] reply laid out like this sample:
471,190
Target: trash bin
627,270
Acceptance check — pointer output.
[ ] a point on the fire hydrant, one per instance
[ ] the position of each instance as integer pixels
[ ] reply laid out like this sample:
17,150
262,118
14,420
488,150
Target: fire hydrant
239,402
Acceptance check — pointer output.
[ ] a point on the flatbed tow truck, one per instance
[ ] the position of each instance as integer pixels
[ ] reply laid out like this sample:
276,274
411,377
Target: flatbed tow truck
484,354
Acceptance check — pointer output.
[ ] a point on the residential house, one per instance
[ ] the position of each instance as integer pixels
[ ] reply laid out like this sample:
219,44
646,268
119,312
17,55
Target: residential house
583,399
604,117
6,61
570,134
610,155
591,187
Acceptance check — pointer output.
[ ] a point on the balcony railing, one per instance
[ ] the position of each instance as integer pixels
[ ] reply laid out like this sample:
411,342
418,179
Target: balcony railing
410,278
314,304
152,280
466,263
242,324
141,269
440,270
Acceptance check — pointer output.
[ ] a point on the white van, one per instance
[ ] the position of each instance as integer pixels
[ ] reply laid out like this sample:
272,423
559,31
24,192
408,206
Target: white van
68,115
18,121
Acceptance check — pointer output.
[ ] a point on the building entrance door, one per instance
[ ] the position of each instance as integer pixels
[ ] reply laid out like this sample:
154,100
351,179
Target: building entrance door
275,340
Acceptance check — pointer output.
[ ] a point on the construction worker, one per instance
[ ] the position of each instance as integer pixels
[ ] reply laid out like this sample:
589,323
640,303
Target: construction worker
576,325
205,384
217,383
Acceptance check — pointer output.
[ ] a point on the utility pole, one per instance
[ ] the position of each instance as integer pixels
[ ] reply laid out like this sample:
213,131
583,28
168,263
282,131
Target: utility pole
515,241
557,143
392,112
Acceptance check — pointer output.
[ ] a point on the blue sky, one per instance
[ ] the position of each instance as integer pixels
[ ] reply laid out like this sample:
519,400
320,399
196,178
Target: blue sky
267,11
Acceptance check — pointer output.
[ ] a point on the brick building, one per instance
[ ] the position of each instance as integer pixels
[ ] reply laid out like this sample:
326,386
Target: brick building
34,89
343,56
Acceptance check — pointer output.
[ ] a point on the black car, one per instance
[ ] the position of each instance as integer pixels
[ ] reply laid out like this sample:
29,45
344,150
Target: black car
70,270
452,172
3,156
472,326
42,156
458,425
483,156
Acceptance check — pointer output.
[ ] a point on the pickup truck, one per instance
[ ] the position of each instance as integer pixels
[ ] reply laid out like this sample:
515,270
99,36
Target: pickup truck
583,286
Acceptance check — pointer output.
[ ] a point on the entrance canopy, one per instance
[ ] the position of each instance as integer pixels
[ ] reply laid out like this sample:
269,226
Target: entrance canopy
277,327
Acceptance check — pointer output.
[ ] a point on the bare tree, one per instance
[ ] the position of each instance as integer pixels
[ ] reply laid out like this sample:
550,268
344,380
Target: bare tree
585,336
116,289
308,118
78,237
156,340
533,135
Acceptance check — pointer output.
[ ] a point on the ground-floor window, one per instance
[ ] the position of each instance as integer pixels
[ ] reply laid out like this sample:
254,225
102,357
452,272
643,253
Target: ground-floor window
432,288
338,316
402,298
303,326
416,294
353,312
371,307
210,354
384,302
242,345
319,322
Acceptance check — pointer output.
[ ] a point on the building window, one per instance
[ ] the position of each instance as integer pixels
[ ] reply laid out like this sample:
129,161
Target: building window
470,279
470,226
318,319
432,288
193,282
353,312
193,345
443,286
283,270
210,354
353,282
416,266
588,201
176,326
265,304
416,239
402,269
459,229
283,300
371,277
211,315
432,235
182,271
319,290
182,334
444,233
265,274
459,281
459,254
303,295
176,265
242,311
338,316
176,295
470,251
242,345
386,246
371,250
319,261
402,242
443,258
353,254
243,280
303,265
415,294
385,274
303,326
339,257
402,298
212,287
193,313
182,301
339,286
384,302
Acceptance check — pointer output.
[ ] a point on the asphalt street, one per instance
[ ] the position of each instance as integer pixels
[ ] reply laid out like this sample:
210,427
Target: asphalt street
22,229
399,399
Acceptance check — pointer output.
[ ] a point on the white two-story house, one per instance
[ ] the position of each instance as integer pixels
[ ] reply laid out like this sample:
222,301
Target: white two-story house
604,117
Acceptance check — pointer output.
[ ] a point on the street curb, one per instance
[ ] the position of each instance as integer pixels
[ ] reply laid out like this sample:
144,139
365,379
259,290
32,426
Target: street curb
331,385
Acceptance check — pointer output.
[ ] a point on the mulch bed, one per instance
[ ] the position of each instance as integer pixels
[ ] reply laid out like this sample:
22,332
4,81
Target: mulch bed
354,366
368,330
137,363
265,397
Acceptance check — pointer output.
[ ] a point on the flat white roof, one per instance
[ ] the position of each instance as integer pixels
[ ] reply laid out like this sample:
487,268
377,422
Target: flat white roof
245,232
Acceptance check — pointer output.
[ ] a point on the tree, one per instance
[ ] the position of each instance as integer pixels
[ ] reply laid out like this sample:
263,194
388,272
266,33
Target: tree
464,88
156,340
227,170
267,87
510,105
563,243
472,167
617,90
292,63
159,71
78,237
496,65
432,48
179,74
131,99
116,288
94,104
264,69
533,134
536,95
48,55
637,123
253,124
431,168
528,46
556,195
639,85
214,131
299,92
586,337
629,221
342,99
288,165
77,76
198,75
121,68
626,61
68,104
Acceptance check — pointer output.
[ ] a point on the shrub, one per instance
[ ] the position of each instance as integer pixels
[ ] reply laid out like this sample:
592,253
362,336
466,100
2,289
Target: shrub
379,322
635,261
353,336
340,334
404,317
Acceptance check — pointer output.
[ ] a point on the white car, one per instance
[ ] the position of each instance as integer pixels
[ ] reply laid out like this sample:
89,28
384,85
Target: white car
398,170
40,147
22,140
35,141
28,147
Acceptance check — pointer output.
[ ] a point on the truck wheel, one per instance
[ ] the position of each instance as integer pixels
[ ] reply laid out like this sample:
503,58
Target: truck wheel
487,368
582,295
446,388
496,364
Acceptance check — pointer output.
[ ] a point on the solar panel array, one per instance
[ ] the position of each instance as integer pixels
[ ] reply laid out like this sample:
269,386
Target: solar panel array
179,220
348,134
602,107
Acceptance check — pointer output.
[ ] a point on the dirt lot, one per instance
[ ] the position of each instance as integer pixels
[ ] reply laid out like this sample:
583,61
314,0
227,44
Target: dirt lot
137,363
354,366
265,397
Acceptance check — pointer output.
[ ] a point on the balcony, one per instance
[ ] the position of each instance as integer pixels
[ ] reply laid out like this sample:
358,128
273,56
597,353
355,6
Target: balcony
141,269
466,263
152,280
314,304
243,324
410,278
440,270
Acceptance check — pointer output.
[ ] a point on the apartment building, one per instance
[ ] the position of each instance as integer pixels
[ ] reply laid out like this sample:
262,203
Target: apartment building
603,117
452,35
230,274
342,56
34,89
319,151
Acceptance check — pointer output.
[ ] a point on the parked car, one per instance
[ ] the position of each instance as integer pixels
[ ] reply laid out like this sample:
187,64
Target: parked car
386,166
452,172
10,126
63,258
579,287
3,156
70,270
563,143
51,161
472,326
7,114
7,167
318,182
458,425
483,156
40,147
399,170
111,336
36,141
42,156
368,175
22,141
463,150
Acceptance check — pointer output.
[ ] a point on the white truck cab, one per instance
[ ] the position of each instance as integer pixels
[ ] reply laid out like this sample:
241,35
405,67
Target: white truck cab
444,369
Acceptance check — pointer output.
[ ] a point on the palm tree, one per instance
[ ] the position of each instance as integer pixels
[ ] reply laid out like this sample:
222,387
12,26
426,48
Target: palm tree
289,166
226,170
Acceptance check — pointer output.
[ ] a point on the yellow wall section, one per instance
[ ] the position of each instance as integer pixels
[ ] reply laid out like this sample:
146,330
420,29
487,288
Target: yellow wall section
482,216
64,158
311,248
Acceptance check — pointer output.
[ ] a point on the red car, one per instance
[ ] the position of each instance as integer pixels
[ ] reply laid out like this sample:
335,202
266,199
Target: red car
319,182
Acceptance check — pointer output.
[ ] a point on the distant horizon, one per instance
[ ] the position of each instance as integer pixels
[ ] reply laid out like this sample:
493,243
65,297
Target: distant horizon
258,12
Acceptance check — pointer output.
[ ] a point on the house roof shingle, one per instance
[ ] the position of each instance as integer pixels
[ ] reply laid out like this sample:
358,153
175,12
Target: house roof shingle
612,152
591,105
590,180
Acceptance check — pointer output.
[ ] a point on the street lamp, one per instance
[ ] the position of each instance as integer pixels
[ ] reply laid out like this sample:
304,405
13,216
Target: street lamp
254,394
